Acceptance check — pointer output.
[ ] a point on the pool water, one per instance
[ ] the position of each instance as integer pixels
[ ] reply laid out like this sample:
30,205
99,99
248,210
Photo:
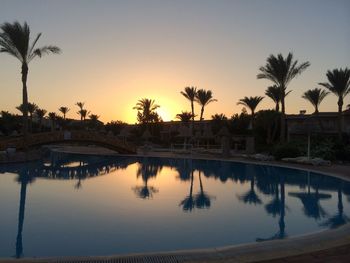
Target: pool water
74,205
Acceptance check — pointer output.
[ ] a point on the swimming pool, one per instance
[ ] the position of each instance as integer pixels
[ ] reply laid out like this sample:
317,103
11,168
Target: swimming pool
75,205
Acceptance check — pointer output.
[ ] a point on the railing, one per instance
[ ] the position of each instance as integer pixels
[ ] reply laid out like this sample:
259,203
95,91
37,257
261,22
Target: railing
80,136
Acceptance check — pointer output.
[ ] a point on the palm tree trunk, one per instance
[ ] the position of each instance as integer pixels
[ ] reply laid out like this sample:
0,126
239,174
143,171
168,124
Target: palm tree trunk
340,110
277,106
202,112
192,127
283,121
30,123
25,102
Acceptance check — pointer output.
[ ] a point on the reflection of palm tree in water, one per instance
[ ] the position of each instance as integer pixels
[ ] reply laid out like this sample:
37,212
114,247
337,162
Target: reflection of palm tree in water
24,179
188,203
312,207
250,197
200,200
147,170
277,207
340,218
79,184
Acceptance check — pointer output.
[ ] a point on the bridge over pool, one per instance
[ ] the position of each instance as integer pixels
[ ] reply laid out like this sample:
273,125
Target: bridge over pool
108,141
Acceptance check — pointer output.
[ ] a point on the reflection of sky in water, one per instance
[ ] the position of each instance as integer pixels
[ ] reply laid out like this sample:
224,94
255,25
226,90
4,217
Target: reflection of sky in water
101,206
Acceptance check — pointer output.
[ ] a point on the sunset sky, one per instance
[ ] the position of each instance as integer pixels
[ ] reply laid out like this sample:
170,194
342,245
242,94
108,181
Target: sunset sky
116,52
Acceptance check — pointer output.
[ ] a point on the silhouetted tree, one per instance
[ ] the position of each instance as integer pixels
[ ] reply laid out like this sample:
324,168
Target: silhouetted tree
64,111
147,111
251,103
315,97
218,121
203,98
14,40
190,94
40,113
52,117
338,84
281,71
275,93
184,116
31,107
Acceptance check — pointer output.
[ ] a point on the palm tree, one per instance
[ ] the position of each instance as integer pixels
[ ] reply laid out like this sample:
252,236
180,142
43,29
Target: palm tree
190,94
218,122
14,40
64,111
94,120
315,97
52,117
80,105
147,111
184,116
83,113
31,107
281,71
251,103
81,109
274,93
339,84
40,113
203,98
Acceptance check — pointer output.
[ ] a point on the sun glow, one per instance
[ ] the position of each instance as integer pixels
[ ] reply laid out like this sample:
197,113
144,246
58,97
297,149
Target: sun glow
165,114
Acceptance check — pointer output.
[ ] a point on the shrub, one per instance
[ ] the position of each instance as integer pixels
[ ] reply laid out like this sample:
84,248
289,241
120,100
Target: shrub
286,150
324,150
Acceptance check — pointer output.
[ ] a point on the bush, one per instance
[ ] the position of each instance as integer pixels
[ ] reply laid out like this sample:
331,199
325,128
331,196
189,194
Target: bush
324,150
287,150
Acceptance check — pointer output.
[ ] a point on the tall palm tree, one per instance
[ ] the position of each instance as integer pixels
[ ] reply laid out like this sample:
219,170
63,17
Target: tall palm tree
40,113
203,98
338,84
251,103
315,97
281,71
274,92
190,94
64,111
14,40
146,110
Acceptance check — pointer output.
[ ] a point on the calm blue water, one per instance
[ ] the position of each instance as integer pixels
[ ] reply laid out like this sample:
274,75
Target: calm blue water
71,205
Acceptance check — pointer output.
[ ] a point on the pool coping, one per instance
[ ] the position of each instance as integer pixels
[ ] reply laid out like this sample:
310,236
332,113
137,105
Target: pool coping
247,252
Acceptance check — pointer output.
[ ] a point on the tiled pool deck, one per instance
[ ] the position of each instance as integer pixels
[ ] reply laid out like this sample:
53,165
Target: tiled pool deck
324,246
